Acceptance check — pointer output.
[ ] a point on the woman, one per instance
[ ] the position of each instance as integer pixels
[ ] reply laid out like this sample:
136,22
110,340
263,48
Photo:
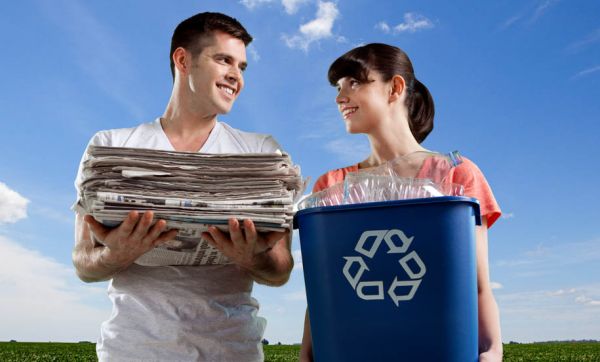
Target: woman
378,95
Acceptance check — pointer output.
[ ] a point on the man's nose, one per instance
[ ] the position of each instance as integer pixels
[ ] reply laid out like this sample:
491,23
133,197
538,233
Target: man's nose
234,75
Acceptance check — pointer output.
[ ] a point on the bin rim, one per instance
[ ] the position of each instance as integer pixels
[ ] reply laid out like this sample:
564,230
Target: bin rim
378,204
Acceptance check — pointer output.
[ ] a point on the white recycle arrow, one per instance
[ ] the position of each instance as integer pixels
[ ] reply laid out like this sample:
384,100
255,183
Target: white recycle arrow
362,267
378,295
413,256
414,284
383,235
378,234
390,243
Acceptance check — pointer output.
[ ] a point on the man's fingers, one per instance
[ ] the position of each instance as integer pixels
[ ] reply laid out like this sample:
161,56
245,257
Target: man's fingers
235,231
165,236
128,224
217,235
100,231
143,224
250,230
274,237
155,230
208,237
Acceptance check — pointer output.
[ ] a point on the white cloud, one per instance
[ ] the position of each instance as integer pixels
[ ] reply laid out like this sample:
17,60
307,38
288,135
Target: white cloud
349,151
542,315
508,215
316,29
496,285
586,72
582,299
561,292
291,6
542,8
252,4
42,300
510,21
589,39
539,251
546,260
253,53
383,26
13,206
413,22
538,12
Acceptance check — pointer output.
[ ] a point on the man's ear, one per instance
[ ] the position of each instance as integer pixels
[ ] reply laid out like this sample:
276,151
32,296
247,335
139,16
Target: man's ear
397,87
181,58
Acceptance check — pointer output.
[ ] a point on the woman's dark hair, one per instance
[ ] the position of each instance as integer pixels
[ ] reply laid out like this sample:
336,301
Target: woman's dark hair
389,61
190,32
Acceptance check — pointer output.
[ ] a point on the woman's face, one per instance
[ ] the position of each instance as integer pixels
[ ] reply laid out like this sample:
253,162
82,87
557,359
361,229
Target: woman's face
363,104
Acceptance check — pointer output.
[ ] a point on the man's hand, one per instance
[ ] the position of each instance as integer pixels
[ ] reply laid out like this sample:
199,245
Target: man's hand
121,245
266,256
130,240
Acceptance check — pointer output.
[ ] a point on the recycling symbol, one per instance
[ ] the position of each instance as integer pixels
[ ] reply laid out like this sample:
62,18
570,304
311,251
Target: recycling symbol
397,243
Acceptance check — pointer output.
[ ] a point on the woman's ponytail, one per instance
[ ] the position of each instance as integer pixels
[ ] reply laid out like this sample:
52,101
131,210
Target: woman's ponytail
420,111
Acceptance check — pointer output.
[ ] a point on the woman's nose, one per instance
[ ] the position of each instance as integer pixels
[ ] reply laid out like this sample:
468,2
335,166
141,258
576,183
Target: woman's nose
340,98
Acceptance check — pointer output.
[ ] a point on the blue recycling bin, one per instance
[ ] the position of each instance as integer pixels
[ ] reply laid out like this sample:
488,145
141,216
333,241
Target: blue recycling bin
392,281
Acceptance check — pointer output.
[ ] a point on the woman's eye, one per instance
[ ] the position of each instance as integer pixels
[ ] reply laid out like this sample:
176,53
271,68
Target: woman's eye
354,83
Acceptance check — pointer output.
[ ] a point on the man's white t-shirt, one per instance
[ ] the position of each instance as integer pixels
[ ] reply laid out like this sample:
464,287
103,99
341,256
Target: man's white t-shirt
182,313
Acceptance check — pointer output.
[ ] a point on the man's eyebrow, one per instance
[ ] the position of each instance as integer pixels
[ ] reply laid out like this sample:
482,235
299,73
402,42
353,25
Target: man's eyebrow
243,65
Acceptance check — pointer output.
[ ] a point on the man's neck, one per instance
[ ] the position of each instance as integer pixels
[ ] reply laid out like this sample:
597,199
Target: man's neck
185,130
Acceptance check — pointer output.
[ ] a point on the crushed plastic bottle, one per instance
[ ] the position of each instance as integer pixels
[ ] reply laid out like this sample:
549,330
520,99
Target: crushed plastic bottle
416,175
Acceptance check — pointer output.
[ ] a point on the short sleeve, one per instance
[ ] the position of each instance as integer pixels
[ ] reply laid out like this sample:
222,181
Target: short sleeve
99,139
475,184
270,145
333,177
320,184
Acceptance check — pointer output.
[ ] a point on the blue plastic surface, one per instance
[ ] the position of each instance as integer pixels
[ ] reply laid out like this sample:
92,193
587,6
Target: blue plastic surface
412,296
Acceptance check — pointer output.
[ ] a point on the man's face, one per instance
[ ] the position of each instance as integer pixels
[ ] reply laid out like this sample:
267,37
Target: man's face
216,77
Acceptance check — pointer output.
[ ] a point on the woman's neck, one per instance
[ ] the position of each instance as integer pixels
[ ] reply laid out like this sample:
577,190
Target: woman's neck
394,139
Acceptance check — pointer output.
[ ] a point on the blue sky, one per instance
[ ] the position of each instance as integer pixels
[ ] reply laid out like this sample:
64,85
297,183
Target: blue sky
516,86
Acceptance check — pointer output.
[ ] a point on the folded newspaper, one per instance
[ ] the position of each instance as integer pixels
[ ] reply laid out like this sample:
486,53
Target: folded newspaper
190,191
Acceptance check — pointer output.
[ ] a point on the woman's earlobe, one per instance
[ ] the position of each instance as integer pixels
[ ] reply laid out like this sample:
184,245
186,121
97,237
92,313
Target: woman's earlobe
397,87
393,95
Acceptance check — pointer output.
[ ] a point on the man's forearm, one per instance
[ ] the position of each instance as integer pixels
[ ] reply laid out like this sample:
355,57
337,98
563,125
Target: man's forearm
90,266
273,267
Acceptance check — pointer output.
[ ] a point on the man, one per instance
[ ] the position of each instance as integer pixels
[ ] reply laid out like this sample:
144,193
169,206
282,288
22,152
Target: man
186,312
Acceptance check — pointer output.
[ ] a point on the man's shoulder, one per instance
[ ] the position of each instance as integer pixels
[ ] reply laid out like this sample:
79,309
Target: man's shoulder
119,137
243,134
248,141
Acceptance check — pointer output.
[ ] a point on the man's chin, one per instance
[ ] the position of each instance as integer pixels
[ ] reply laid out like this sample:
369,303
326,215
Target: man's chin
226,108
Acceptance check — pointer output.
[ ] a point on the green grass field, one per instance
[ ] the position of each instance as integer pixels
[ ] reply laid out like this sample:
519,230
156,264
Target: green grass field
15,351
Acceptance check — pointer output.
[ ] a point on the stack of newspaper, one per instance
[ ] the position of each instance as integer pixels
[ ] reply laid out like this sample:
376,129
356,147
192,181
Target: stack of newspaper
190,191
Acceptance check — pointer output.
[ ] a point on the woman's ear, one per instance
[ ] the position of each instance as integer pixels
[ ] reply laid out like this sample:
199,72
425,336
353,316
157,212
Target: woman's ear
397,88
